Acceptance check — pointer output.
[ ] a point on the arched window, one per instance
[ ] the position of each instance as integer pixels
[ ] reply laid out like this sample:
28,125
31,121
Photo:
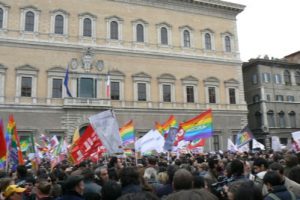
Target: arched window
114,30
29,21
207,41
256,98
186,38
258,119
292,116
281,119
287,77
59,24
271,120
227,44
139,33
87,27
1,18
297,77
164,35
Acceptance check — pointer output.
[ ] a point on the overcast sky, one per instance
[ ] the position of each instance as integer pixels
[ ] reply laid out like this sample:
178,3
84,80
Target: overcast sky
269,27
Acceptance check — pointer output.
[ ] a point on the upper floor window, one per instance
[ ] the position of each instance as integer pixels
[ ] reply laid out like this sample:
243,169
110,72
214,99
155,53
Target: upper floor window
87,27
139,33
164,36
26,86
115,90
232,98
1,17
279,97
267,77
29,21
271,120
114,30
190,97
186,38
297,77
281,119
86,87
287,77
292,116
216,142
268,97
254,79
142,91
258,119
59,25
290,98
208,45
166,93
277,79
57,88
211,94
256,98
227,44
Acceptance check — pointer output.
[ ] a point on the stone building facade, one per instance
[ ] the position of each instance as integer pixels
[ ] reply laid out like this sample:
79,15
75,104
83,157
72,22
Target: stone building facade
163,57
272,92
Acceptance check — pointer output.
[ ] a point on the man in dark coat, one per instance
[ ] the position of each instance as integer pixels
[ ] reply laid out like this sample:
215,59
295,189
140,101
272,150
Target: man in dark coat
73,188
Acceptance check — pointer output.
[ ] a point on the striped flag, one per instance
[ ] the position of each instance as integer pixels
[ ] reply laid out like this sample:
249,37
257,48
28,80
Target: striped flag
3,148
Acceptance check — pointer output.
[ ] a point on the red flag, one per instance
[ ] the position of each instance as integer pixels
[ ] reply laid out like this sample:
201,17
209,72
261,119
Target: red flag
179,136
196,143
2,143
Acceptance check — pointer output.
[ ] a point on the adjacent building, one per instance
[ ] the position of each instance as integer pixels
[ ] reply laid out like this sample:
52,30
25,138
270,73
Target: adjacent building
163,57
272,91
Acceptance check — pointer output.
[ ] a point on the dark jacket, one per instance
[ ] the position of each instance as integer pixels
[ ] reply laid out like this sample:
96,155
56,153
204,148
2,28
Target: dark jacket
71,195
132,188
281,192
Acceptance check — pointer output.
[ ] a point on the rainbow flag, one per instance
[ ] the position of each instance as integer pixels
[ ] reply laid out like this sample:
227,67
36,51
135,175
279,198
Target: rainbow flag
15,153
3,147
243,137
199,127
164,128
127,133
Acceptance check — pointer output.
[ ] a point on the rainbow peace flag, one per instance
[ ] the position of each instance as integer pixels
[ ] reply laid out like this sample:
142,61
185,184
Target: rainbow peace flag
199,127
243,137
3,147
127,133
164,128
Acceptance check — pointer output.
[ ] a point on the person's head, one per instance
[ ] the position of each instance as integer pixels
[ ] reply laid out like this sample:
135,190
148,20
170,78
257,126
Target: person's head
291,160
295,174
272,178
277,168
74,183
182,180
103,174
213,163
129,175
21,171
171,171
199,182
139,196
237,168
111,190
43,189
88,174
162,177
244,190
29,184
13,192
152,161
199,194
150,174
259,165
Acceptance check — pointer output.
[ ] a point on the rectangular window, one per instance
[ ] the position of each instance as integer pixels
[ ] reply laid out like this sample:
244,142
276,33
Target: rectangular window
190,98
26,86
86,88
290,98
268,97
216,143
115,91
232,99
142,92
254,79
166,93
267,77
279,98
212,94
56,88
277,79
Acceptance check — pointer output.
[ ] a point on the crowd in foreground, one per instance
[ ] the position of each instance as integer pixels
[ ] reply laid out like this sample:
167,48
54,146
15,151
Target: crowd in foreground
233,176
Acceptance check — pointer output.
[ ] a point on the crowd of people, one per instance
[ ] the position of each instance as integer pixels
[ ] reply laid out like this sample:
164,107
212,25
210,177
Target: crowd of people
233,176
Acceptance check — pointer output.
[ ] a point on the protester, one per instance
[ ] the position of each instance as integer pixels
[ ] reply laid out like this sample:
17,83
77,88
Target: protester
92,191
73,188
43,191
130,180
294,174
183,180
14,192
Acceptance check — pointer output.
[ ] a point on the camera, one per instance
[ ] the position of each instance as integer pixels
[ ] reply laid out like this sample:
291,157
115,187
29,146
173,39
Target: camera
218,187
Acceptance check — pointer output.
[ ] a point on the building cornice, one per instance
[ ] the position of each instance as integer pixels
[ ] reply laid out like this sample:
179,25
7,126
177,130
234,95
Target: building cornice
276,63
214,8
104,49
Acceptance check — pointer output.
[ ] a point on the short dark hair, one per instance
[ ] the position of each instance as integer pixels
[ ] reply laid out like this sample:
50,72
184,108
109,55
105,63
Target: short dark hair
236,167
22,171
129,175
183,180
261,161
199,181
212,162
111,190
277,167
246,190
272,178
139,195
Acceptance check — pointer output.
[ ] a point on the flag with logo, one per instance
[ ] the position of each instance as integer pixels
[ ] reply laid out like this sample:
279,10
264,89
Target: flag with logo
196,143
243,137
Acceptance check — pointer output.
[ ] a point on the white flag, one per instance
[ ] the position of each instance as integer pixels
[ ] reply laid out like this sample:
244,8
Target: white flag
296,138
152,140
107,128
53,142
244,148
230,146
256,145
276,146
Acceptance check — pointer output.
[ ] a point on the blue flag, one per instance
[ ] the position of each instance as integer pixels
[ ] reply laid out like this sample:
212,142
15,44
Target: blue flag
66,81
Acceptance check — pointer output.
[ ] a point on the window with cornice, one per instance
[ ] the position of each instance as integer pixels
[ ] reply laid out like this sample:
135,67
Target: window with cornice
164,34
271,119
140,28
207,41
87,26
190,89
227,44
212,90
141,87
281,119
287,77
59,22
186,39
139,33
2,82
26,82
3,16
57,88
166,87
55,83
190,96
30,19
114,28
292,118
59,25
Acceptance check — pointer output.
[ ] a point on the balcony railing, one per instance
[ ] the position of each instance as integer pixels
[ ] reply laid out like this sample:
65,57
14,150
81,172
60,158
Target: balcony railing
93,102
